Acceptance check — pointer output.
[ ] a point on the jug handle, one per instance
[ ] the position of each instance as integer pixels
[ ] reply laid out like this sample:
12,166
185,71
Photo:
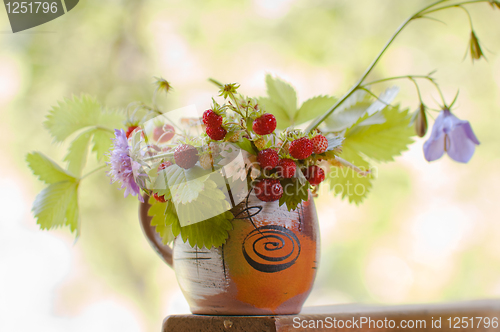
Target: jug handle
154,238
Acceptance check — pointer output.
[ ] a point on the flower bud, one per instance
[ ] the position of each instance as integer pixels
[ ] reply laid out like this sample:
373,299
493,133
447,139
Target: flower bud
421,121
475,49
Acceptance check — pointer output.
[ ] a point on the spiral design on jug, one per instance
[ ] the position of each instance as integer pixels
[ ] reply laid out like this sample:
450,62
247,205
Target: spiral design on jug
271,248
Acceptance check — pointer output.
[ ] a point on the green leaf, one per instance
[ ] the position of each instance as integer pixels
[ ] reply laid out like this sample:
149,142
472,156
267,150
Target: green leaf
349,112
313,108
102,142
185,185
47,170
345,181
71,115
294,193
381,136
162,220
361,103
77,153
207,233
57,205
211,201
281,101
246,145
282,94
282,117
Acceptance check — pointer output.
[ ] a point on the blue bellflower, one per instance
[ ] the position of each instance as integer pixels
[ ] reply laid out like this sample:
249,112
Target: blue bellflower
452,135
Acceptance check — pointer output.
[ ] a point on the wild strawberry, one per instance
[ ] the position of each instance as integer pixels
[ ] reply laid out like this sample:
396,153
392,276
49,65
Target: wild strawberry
216,133
260,143
314,174
164,165
160,199
214,149
163,134
286,168
264,124
130,130
320,144
269,190
212,119
268,158
186,156
301,148
206,161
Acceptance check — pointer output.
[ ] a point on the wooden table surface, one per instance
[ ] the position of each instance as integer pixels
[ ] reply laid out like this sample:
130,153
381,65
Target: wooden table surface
482,315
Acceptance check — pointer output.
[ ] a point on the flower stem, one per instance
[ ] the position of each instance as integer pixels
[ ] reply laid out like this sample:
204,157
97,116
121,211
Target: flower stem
93,171
420,14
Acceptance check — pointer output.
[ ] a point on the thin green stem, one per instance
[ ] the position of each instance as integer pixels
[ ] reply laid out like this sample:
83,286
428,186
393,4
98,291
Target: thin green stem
158,156
454,5
396,78
319,120
93,171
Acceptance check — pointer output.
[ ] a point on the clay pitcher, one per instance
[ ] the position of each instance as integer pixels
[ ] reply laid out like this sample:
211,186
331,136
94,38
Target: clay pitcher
266,267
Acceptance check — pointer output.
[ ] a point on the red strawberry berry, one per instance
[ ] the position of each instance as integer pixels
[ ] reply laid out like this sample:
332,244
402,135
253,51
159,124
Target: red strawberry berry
163,134
130,130
160,199
216,133
301,148
164,165
286,168
314,174
320,144
269,190
186,156
268,159
212,119
264,124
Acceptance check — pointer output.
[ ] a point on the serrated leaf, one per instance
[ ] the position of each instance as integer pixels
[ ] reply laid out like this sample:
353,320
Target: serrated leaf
381,140
47,170
313,108
349,112
207,233
348,183
281,115
77,153
102,141
245,144
71,115
282,94
294,193
361,103
210,202
185,185
57,205
161,220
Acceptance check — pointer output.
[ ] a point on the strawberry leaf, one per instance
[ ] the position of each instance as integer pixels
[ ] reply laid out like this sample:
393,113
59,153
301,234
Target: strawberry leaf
348,183
313,108
71,115
161,219
47,170
294,193
77,153
57,205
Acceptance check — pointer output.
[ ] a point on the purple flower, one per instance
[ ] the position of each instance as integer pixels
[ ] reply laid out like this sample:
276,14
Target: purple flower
452,135
123,167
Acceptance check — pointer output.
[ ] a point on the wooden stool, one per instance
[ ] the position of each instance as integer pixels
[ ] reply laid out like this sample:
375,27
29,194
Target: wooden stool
481,315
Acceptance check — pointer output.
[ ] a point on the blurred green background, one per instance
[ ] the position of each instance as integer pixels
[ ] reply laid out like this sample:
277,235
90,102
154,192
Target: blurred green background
427,232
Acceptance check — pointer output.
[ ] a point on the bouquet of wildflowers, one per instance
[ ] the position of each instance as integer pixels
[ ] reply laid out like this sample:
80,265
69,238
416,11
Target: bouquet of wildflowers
194,168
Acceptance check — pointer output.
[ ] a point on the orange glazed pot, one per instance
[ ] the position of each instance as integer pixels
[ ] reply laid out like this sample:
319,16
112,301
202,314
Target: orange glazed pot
266,267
